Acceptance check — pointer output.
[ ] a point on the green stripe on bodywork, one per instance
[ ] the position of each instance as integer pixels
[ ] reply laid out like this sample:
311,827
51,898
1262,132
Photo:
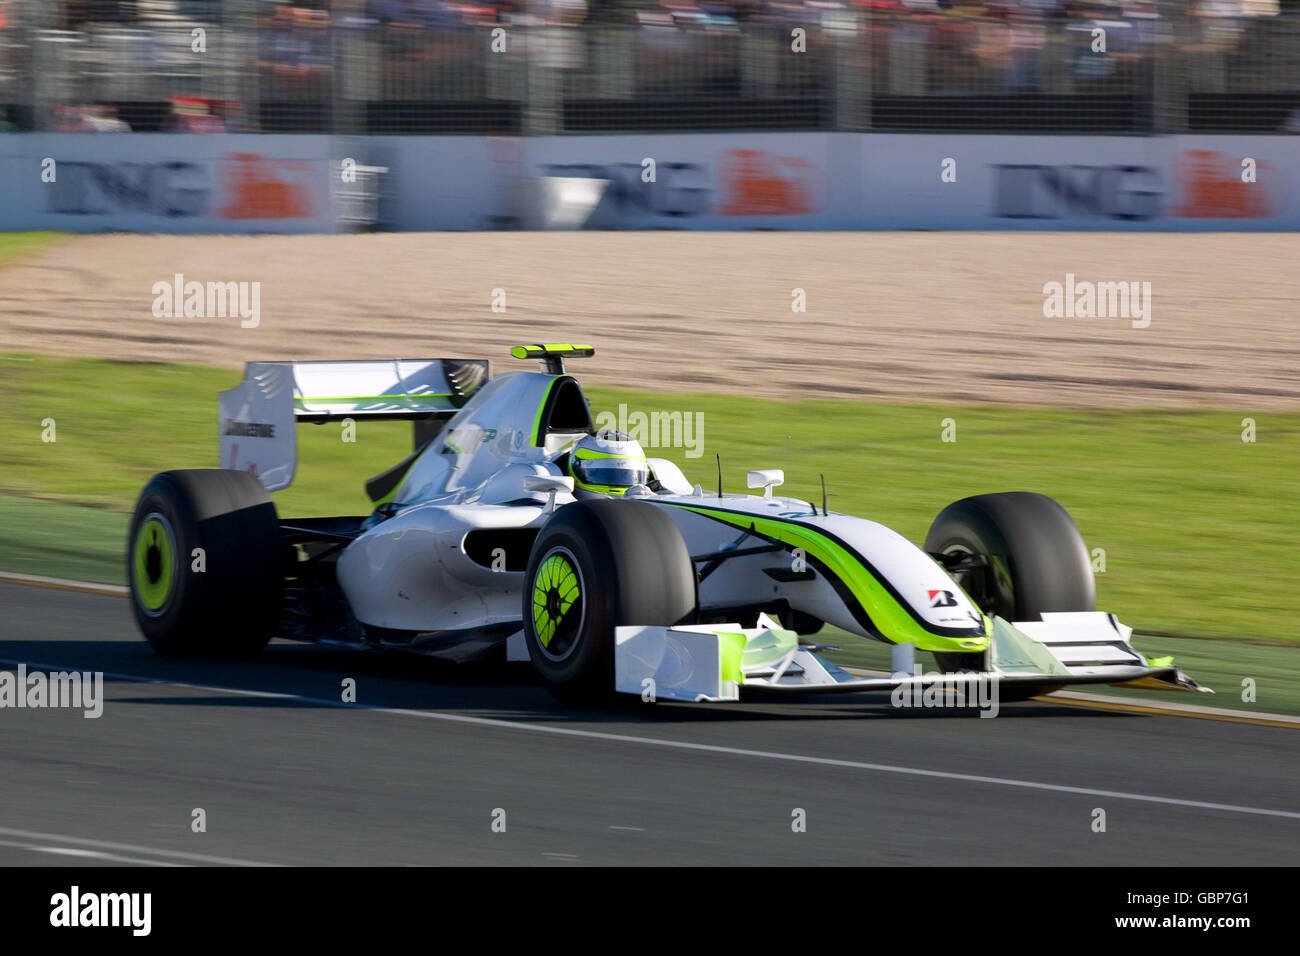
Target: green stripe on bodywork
893,620
731,648
541,407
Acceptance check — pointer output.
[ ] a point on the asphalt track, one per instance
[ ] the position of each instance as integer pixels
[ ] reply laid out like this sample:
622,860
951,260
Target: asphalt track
413,773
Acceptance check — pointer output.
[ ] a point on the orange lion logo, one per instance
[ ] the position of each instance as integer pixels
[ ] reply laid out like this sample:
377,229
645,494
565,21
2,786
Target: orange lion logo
759,184
1211,187
261,188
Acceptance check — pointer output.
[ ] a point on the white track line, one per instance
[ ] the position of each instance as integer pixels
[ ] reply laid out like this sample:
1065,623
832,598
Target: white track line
128,847
85,854
686,745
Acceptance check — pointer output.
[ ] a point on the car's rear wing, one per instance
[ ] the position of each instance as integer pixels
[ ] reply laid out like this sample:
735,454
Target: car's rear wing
257,417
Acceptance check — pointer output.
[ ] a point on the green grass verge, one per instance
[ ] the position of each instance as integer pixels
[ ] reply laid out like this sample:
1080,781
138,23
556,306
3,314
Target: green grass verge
16,244
1196,524
62,540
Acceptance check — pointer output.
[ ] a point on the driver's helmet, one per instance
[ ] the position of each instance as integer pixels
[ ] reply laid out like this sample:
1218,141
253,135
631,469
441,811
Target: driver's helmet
607,463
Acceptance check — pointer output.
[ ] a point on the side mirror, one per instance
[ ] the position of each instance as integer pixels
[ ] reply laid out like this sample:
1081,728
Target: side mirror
767,479
550,485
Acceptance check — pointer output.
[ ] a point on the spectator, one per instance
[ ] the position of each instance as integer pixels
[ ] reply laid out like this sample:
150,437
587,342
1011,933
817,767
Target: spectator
192,114
88,119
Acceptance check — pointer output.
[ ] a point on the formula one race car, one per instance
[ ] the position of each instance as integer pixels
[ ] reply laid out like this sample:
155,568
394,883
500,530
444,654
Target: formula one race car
514,522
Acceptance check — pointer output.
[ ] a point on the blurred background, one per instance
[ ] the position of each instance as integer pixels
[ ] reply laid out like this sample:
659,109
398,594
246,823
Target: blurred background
370,67
822,231
776,239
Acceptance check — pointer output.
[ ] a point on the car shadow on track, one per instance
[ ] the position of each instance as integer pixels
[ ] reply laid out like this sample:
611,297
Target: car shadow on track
314,676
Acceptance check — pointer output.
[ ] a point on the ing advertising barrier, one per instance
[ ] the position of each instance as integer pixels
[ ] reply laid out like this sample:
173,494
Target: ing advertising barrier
166,183
241,183
838,181
1170,183
655,181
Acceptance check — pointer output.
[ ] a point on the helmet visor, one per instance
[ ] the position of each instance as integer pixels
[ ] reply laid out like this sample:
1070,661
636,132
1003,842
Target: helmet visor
617,472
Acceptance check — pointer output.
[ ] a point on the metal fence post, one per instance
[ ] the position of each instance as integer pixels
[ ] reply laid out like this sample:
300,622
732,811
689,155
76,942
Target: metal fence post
852,78
541,114
239,36
907,59
1054,61
1169,78
43,63
613,61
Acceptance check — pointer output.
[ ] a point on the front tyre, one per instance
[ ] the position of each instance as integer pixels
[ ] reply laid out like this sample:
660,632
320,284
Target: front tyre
203,562
597,565
1034,559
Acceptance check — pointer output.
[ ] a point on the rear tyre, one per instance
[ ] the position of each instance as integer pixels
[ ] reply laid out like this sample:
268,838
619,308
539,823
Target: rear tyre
597,565
204,563
1035,560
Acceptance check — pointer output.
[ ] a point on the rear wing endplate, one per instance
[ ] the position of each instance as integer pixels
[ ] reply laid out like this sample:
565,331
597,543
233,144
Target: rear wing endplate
257,417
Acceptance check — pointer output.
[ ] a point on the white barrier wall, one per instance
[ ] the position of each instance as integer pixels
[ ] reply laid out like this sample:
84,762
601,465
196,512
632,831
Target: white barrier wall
734,181
1175,183
163,182
700,181
863,181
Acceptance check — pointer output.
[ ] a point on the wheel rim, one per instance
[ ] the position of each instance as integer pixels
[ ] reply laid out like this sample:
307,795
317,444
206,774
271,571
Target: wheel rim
153,563
981,584
559,604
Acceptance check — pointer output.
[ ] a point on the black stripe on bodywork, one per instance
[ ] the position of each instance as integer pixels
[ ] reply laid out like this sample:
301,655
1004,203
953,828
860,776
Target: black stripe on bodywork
841,588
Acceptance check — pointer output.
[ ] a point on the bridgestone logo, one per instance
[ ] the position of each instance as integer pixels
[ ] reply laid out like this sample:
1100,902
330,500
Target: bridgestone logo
250,429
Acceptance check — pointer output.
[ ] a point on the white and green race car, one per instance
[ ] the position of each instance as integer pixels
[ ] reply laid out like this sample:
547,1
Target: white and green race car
515,525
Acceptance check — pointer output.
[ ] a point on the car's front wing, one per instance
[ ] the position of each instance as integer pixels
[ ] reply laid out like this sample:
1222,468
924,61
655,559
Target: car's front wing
719,662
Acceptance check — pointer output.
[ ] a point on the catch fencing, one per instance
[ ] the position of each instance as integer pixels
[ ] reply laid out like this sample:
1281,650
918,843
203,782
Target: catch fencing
814,70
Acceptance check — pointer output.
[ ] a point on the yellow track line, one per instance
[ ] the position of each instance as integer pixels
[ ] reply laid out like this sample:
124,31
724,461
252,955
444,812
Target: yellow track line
63,584
1167,712
1119,706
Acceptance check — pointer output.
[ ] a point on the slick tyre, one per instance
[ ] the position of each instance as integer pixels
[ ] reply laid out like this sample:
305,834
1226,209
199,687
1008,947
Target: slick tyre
204,563
597,565
1035,560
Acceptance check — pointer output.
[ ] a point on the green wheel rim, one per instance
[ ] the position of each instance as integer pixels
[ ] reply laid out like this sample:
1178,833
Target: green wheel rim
557,603
153,563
